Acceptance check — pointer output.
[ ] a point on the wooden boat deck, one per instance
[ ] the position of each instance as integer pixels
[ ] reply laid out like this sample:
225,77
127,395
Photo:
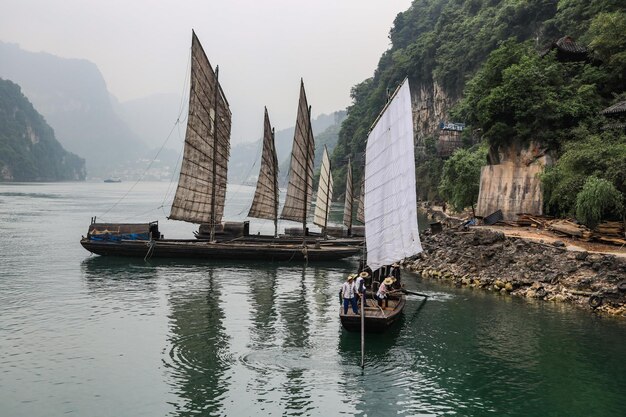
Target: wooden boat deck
377,318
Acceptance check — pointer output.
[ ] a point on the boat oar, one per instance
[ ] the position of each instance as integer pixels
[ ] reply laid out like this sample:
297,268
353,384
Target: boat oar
414,293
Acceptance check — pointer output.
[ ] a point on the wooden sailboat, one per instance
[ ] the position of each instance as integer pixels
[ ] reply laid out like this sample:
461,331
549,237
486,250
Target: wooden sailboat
298,200
390,206
201,191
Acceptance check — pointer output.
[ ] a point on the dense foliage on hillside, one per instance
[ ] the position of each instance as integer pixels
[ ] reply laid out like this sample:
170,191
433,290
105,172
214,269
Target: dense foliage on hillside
28,148
493,58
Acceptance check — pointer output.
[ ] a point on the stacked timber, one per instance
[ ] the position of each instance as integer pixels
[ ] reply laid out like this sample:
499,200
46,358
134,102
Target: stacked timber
569,228
610,232
606,232
533,220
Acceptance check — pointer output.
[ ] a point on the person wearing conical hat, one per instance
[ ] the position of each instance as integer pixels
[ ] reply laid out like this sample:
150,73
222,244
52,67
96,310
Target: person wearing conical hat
348,295
384,289
395,271
359,283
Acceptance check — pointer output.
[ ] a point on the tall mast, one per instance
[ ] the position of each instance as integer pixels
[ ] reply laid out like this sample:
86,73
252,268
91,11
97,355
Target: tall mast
215,119
306,177
275,186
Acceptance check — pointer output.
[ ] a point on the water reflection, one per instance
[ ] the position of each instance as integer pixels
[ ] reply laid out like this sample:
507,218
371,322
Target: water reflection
198,353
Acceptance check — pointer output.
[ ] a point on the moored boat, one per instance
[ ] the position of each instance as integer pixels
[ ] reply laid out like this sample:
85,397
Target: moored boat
201,192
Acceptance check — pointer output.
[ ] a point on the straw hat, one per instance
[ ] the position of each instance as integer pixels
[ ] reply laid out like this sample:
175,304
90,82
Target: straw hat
350,277
364,274
388,281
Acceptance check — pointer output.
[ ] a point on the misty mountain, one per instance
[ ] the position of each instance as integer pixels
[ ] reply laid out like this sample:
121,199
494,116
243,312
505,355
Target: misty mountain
243,166
72,96
151,118
28,149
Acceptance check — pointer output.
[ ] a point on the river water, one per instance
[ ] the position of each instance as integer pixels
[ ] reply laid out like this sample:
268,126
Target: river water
91,336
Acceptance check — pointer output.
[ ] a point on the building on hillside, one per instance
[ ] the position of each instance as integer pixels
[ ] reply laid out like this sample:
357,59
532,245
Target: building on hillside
616,114
567,50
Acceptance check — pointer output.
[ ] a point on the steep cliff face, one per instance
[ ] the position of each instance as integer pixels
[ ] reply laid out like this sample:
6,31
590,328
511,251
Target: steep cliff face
29,150
431,105
511,183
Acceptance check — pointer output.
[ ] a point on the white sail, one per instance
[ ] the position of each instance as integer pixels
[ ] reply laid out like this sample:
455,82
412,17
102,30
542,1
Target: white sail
202,184
324,192
391,231
349,201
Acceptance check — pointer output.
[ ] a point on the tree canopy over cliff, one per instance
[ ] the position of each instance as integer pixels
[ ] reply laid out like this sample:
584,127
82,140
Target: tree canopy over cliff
28,149
493,58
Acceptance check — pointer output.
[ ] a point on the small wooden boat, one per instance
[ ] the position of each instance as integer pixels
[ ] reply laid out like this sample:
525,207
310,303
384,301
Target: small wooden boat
389,208
377,318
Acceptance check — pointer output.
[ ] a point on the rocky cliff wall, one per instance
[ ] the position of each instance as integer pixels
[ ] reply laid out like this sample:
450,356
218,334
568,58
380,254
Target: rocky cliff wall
512,184
431,104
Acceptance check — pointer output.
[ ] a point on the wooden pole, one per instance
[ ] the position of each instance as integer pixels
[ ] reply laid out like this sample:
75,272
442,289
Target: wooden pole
216,117
363,330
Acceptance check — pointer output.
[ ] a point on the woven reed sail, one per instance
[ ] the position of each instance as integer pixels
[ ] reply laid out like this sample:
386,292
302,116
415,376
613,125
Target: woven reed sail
300,187
391,232
324,192
265,202
360,210
202,184
348,205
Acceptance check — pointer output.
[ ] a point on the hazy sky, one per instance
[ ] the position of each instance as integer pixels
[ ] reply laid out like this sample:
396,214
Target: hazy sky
263,47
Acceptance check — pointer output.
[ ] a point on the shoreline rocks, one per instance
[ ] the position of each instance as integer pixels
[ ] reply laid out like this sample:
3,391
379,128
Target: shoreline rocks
487,259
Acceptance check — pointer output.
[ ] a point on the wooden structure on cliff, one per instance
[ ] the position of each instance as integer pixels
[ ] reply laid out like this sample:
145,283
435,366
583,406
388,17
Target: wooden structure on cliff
617,116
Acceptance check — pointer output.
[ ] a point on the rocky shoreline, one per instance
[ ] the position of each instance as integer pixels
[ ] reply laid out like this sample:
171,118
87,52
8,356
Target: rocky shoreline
487,259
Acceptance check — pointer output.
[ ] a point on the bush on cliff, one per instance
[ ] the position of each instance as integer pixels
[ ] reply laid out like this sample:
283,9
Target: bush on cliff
598,200
460,180
585,155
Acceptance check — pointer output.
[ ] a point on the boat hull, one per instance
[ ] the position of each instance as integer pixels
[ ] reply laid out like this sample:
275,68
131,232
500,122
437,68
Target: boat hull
293,240
169,248
375,320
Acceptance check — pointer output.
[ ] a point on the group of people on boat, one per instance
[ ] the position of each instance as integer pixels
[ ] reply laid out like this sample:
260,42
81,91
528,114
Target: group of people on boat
355,287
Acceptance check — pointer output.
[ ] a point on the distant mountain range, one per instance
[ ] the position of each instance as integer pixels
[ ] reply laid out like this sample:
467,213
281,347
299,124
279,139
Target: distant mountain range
120,138
72,96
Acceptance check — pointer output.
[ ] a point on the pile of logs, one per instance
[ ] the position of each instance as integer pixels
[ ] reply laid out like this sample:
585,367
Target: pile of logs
606,232
610,232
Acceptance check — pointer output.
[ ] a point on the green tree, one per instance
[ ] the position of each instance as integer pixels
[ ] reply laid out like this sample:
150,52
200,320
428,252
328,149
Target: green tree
586,155
460,179
598,200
